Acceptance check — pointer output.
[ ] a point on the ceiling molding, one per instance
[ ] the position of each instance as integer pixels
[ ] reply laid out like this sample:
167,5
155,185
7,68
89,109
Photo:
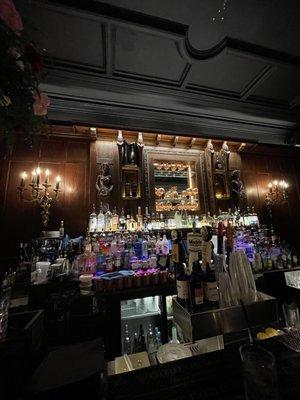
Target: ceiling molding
124,117
179,29
257,81
157,97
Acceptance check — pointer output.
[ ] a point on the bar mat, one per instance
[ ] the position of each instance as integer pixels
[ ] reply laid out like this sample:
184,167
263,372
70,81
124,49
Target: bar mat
291,339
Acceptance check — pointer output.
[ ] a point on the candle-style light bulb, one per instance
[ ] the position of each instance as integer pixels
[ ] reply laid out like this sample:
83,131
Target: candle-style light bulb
23,177
33,181
38,173
58,180
47,173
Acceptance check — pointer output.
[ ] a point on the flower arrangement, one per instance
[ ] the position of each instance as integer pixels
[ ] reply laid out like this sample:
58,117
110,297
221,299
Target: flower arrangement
23,107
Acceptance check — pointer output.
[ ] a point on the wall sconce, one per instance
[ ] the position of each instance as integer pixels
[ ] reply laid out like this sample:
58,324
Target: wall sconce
40,192
277,193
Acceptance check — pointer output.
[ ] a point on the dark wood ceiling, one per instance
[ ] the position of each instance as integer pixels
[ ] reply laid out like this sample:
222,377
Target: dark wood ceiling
173,65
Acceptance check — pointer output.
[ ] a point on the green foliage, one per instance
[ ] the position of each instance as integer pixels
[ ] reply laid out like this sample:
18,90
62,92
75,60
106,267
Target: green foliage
20,74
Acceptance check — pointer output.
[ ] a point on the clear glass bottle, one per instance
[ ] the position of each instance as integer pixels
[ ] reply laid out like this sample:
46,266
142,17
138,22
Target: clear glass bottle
115,221
165,245
151,340
101,220
122,221
139,219
127,345
93,220
108,219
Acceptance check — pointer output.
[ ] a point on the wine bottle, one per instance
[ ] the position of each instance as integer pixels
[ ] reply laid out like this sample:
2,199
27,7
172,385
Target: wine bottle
220,233
194,246
127,345
211,293
141,339
182,284
196,284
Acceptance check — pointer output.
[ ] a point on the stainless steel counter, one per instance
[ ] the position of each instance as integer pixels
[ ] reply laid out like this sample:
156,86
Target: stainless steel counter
212,322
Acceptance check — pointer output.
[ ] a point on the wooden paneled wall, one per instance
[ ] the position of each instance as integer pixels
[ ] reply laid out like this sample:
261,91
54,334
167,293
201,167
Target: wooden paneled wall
65,157
260,169
75,160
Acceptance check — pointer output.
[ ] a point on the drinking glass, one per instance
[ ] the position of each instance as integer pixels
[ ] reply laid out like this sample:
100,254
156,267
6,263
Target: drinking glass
259,373
291,315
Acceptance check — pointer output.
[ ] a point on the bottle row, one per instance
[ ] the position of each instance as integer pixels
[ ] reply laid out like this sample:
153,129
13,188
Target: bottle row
111,221
141,342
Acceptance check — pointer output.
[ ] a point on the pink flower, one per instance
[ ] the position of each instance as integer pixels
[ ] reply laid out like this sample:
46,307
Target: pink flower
10,16
41,104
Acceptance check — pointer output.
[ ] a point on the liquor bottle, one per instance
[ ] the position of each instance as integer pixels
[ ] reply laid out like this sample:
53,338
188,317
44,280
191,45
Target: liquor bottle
124,152
197,222
211,293
101,220
229,239
133,224
115,221
127,345
139,219
108,219
158,244
141,339
161,222
136,346
127,222
194,246
174,335
138,247
150,222
127,187
132,154
220,233
93,221
184,219
182,284
158,338
190,221
178,219
61,229
122,221
151,340
165,245
113,246
196,284
145,248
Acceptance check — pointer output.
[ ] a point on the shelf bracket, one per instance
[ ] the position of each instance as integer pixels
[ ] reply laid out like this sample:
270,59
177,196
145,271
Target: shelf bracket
158,139
175,141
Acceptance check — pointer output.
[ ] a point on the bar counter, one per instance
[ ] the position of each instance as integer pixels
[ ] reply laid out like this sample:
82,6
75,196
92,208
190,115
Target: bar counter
211,376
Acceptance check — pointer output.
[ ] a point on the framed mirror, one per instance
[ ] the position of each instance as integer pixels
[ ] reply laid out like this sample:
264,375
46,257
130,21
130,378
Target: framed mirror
174,182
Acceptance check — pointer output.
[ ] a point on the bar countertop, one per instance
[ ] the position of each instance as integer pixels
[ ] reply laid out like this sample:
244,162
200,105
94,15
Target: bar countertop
210,376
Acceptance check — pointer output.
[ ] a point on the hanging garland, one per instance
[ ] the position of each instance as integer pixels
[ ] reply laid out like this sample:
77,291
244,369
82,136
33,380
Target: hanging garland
23,107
